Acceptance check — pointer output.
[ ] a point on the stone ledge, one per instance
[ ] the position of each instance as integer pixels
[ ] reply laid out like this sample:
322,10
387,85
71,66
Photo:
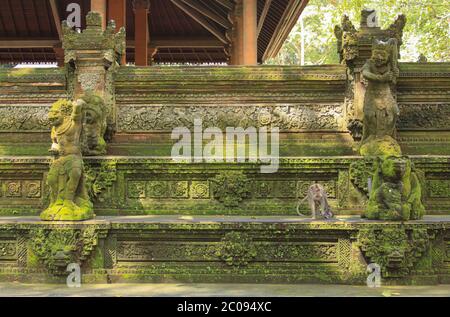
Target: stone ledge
226,249
338,222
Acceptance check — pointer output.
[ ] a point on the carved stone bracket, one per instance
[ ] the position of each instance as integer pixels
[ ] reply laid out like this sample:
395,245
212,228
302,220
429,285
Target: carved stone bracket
396,249
57,248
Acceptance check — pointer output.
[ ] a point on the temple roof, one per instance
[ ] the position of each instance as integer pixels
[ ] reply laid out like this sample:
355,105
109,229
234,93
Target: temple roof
29,30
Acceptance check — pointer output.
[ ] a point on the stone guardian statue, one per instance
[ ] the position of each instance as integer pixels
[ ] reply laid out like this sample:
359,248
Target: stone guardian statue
69,200
380,107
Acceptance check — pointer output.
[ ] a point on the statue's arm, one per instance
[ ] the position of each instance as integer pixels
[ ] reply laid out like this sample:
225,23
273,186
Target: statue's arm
77,111
368,74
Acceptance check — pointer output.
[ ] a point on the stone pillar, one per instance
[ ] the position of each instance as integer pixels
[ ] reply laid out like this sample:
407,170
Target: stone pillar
92,57
117,12
100,7
250,30
141,35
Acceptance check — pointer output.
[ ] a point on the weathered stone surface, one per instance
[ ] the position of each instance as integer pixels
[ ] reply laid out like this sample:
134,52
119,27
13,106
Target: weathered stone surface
380,108
287,117
396,191
66,179
225,249
160,186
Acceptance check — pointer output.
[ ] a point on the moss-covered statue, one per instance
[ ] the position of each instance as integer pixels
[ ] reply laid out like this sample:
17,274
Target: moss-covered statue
68,195
380,108
94,125
396,192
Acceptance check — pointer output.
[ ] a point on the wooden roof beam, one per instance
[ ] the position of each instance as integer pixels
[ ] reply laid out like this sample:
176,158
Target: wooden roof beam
208,12
201,20
175,42
287,21
264,13
5,43
226,3
56,18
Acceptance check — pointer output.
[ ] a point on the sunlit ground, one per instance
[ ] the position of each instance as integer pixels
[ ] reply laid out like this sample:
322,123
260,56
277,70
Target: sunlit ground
218,290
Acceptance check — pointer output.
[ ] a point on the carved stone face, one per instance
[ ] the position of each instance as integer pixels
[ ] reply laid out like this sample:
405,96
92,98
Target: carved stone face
90,117
55,117
394,168
380,57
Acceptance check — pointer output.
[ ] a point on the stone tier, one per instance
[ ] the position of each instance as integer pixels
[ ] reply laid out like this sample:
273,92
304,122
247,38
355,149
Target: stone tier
225,249
158,185
309,104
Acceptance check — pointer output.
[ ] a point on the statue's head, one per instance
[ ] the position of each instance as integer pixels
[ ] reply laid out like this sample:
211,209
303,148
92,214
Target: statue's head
60,110
380,57
381,52
94,108
394,168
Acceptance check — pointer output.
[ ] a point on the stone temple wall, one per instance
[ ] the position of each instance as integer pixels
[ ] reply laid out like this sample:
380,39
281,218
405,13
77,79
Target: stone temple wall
308,104
208,221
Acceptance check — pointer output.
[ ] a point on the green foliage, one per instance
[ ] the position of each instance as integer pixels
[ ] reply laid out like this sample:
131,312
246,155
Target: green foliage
427,30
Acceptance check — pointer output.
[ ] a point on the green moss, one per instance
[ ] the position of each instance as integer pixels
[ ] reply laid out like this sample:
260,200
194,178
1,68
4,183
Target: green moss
24,149
97,261
385,146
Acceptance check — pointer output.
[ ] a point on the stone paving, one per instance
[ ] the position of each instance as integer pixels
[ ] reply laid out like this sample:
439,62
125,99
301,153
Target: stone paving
340,219
218,290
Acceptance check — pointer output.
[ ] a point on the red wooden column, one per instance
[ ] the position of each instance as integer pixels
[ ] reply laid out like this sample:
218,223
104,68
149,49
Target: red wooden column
59,54
250,49
100,7
141,37
117,11
237,54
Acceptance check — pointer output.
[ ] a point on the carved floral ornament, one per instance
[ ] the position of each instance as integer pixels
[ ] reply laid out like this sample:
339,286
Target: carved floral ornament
89,81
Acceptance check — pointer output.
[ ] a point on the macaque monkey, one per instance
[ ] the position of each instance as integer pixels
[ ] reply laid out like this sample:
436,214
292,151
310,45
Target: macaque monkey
318,203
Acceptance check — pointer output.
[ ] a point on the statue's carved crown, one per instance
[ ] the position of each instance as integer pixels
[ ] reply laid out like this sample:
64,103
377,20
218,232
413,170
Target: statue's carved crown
64,106
378,45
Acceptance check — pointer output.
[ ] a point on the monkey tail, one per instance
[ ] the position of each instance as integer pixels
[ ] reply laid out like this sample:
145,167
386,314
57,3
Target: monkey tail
298,206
